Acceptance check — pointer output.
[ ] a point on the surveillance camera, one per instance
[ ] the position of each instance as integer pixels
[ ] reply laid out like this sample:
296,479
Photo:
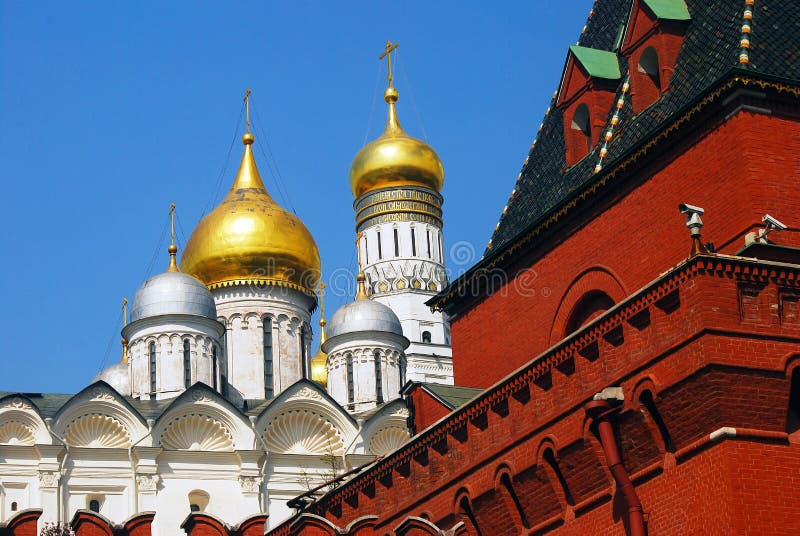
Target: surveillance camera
773,223
690,209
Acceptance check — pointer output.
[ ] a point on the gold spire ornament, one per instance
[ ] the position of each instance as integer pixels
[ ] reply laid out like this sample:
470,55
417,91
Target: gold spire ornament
395,159
319,368
172,248
123,340
361,279
250,239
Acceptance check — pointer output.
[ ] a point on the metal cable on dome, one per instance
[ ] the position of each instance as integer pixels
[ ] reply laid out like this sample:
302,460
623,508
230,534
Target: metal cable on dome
212,200
282,190
411,96
114,334
374,99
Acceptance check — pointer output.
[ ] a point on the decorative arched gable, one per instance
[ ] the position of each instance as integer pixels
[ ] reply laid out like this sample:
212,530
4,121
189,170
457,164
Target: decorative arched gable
200,419
387,430
21,423
99,417
304,419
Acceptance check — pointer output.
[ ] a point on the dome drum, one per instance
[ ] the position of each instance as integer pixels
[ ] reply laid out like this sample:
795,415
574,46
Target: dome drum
405,204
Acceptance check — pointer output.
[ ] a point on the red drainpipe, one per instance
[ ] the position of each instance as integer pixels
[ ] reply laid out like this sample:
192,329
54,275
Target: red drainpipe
600,411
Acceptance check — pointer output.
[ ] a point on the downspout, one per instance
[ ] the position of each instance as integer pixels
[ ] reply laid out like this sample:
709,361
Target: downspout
60,488
261,501
605,405
135,487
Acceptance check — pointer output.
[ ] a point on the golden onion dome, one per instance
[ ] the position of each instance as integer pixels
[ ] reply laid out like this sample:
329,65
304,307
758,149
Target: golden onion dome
250,239
319,367
395,159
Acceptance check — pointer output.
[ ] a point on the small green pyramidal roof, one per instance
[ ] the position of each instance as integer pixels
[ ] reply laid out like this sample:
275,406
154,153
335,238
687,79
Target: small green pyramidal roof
669,9
598,63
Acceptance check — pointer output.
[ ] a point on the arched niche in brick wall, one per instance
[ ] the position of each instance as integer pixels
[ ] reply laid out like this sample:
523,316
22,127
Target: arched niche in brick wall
591,292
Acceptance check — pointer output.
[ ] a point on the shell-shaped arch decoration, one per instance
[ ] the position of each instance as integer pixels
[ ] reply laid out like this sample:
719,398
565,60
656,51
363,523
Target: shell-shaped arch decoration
197,432
388,440
303,432
16,433
97,431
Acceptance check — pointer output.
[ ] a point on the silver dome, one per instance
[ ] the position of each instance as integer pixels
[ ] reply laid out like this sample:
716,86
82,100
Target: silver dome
117,376
173,293
364,315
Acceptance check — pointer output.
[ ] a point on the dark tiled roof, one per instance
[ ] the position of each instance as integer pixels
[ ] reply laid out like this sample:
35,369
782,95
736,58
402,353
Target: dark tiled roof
48,404
710,51
453,395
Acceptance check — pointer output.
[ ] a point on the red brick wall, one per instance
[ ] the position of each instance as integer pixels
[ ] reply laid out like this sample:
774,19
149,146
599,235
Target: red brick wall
744,168
427,410
686,340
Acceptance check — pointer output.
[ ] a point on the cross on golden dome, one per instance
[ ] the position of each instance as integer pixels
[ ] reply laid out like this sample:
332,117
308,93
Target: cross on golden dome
387,53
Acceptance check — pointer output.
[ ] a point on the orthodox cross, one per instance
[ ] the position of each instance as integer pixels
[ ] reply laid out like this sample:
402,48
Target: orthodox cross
247,107
390,47
124,311
172,222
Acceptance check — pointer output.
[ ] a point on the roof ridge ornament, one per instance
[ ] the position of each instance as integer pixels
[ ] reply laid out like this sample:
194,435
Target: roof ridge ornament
172,248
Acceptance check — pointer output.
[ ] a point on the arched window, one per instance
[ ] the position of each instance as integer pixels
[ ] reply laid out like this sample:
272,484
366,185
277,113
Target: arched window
268,380
303,351
152,367
428,236
396,243
94,506
350,385
378,378
413,242
589,307
187,364
441,247
214,365
366,250
582,130
14,506
648,64
426,337
380,248
198,500
793,414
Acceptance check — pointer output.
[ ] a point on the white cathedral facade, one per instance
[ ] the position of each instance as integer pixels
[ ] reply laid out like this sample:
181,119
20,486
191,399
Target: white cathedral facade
218,404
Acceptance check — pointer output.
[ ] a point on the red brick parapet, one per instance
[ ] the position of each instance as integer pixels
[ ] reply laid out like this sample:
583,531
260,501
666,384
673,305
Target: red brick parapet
89,523
204,524
23,523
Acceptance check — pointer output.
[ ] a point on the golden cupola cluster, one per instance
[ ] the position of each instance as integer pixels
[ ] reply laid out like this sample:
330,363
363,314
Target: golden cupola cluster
395,159
250,239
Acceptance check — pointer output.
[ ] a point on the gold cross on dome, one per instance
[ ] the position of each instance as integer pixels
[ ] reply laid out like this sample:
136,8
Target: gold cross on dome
247,107
172,223
387,53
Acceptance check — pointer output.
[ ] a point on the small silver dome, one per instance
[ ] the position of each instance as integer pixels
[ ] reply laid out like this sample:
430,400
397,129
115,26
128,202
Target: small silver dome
364,315
117,376
173,293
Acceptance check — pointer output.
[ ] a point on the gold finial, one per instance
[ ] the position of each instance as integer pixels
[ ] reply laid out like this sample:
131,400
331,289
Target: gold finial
361,291
173,249
124,342
322,321
248,137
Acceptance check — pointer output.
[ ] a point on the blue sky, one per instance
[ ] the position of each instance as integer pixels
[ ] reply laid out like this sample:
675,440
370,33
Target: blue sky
111,111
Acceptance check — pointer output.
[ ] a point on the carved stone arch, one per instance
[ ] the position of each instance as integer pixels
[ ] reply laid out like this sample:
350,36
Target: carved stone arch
202,401
19,409
196,431
253,320
309,408
100,412
388,438
594,279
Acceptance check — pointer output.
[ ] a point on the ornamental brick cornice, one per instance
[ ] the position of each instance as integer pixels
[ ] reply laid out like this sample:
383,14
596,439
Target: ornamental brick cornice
662,293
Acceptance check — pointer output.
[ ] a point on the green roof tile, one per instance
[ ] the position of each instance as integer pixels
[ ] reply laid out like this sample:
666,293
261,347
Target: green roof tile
669,9
598,63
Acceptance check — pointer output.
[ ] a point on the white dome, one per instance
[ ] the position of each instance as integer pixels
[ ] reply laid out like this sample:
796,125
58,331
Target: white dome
173,293
364,315
118,376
